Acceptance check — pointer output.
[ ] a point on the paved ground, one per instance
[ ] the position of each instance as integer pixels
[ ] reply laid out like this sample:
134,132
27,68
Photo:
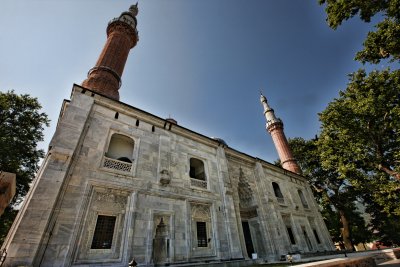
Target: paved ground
392,263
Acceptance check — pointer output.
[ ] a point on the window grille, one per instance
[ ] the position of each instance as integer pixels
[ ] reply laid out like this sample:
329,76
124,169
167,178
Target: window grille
201,234
198,183
103,233
118,165
291,236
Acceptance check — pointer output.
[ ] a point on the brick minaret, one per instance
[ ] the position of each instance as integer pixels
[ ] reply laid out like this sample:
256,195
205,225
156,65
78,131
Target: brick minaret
105,76
275,128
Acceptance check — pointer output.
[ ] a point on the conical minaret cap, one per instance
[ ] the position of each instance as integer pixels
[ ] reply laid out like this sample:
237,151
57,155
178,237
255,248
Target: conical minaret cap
275,128
268,111
134,9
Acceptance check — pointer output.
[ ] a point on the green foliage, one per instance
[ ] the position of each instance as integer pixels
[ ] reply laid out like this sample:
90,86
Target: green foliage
385,226
360,136
334,193
21,127
359,231
332,221
380,44
383,43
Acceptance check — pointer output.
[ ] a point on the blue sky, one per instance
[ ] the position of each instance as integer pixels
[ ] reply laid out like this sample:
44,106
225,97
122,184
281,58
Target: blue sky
202,62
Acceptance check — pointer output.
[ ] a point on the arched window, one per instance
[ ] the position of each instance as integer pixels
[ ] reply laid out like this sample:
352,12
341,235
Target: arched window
120,148
197,173
303,199
277,192
119,154
197,169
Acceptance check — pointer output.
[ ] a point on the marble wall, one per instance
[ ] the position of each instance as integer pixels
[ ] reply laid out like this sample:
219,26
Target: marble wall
231,212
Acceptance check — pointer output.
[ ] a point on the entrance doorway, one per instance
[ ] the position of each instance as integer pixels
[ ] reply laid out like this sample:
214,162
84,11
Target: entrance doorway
247,238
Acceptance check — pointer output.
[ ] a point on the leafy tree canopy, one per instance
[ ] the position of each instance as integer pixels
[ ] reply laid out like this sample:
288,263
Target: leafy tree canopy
21,127
361,129
334,193
360,138
384,42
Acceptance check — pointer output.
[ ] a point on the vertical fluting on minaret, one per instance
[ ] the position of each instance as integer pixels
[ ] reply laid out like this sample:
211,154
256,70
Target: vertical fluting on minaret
122,35
274,126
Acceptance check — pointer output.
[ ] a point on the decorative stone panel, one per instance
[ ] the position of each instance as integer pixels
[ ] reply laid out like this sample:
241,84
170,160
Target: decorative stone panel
117,165
108,202
201,213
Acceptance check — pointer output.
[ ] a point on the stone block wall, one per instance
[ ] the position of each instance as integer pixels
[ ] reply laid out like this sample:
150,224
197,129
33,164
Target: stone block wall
83,178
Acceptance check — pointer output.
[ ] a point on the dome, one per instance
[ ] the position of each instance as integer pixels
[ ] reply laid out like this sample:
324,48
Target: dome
220,140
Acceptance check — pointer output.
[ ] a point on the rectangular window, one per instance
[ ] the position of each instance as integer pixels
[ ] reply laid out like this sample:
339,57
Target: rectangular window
316,236
103,233
201,234
291,236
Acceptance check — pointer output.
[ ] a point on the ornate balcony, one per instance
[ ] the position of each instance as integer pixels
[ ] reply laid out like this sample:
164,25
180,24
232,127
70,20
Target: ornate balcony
198,183
117,165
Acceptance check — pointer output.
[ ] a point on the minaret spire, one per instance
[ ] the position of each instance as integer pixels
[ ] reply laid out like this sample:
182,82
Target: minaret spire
122,35
274,126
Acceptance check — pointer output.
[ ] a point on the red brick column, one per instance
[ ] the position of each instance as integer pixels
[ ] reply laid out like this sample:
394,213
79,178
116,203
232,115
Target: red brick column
105,76
282,146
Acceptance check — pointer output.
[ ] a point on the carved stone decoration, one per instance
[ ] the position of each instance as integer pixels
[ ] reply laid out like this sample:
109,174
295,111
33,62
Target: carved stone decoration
161,243
201,230
200,211
109,202
165,177
117,165
244,190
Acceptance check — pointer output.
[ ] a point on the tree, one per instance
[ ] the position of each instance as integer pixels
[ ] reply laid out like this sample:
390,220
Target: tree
361,127
21,128
360,138
384,42
361,130
386,228
333,192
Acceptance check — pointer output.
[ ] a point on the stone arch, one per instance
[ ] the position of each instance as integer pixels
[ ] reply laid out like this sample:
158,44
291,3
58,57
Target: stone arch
121,148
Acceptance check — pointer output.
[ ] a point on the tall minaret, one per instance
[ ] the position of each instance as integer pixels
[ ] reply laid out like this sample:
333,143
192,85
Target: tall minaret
275,128
105,76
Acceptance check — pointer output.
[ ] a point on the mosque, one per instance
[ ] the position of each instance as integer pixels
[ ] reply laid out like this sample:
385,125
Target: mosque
119,183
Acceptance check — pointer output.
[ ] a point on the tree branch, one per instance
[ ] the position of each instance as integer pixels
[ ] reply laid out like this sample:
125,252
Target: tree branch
389,171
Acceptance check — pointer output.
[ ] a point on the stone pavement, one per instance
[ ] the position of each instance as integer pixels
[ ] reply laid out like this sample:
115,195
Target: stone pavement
382,257
392,263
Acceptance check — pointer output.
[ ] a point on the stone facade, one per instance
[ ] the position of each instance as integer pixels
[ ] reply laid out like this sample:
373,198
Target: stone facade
166,194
